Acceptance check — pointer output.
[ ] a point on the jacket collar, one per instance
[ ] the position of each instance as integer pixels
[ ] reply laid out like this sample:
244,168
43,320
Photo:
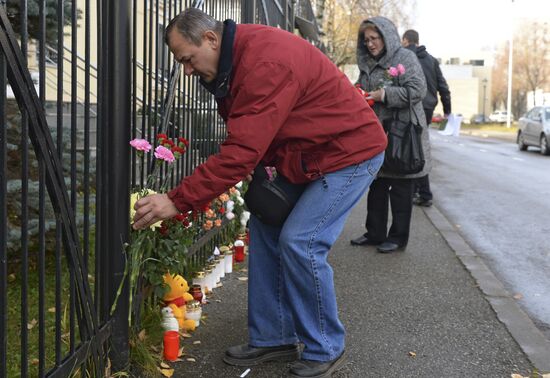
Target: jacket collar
219,87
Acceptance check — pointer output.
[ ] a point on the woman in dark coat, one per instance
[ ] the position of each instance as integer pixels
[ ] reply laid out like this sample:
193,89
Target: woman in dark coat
378,50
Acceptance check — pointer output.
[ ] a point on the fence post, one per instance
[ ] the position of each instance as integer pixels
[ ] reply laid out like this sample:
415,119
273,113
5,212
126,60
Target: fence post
248,12
114,162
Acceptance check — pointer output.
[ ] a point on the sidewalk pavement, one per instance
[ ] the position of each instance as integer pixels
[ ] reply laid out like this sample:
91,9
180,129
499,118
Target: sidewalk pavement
418,313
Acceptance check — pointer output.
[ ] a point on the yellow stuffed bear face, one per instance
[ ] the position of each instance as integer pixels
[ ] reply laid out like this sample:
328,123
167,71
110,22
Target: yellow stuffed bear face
178,286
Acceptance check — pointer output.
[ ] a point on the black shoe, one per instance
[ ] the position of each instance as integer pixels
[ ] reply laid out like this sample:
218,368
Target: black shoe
388,247
363,240
316,369
422,202
246,355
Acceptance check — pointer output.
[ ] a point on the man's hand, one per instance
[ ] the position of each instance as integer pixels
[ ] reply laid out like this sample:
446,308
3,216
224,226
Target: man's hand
153,208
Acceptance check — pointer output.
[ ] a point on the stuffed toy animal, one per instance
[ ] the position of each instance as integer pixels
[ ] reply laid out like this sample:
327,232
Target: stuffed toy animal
176,298
169,321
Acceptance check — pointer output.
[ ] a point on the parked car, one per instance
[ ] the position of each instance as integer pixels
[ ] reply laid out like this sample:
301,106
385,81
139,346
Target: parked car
534,129
477,119
500,116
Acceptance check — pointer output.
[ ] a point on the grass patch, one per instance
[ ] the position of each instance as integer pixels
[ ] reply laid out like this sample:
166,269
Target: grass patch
15,308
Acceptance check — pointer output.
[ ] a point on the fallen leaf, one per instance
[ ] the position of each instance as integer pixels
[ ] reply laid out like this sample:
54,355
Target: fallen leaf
191,359
51,309
32,324
35,361
546,375
218,300
196,342
458,226
154,348
167,372
412,354
243,270
142,335
11,277
185,334
164,365
243,278
517,376
180,352
518,296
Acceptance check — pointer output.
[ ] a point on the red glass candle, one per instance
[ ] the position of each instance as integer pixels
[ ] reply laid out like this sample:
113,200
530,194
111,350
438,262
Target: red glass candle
239,251
171,343
196,292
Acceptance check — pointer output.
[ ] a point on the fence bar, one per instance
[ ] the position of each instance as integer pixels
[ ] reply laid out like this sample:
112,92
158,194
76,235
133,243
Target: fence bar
3,221
116,120
58,242
24,207
74,103
86,180
42,204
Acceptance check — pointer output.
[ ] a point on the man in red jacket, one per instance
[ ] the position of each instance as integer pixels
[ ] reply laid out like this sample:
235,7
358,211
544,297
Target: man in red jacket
287,106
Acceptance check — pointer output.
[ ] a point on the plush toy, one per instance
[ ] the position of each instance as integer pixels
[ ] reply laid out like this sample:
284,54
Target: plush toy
169,321
176,299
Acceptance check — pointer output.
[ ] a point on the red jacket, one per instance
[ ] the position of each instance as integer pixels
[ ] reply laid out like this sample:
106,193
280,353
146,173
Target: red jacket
289,107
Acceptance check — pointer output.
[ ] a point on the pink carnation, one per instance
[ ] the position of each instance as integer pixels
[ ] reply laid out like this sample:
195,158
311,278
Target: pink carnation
140,145
393,71
165,154
400,69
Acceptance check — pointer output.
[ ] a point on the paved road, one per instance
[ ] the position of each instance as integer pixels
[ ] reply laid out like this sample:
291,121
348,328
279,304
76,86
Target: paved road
500,199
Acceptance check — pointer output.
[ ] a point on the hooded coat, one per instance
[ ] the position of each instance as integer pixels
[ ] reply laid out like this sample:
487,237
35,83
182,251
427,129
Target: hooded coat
372,76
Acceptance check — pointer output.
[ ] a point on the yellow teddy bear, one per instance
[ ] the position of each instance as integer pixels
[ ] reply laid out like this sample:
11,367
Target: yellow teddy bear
176,299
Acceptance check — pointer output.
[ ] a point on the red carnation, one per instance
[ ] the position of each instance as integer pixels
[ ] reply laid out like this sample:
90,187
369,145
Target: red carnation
162,136
179,150
184,141
163,229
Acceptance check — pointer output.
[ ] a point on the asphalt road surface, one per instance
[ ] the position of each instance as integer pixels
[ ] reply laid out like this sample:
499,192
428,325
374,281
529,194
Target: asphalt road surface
499,197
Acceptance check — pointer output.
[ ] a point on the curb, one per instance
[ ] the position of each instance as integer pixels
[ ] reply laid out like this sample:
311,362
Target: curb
530,339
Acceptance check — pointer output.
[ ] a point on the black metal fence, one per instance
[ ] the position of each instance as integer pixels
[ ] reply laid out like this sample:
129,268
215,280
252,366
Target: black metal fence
101,72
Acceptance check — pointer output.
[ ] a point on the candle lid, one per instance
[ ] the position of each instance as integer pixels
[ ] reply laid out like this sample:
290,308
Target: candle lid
224,249
193,305
199,274
208,270
228,253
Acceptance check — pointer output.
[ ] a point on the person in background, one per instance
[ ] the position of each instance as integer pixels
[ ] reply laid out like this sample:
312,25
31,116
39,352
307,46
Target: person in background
435,83
378,50
285,105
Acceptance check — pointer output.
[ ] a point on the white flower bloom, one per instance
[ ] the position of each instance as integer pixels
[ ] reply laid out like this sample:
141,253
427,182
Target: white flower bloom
229,215
239,184
240,200
229,206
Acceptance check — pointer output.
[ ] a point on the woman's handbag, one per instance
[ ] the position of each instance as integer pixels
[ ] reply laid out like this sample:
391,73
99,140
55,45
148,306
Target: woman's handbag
404,154
271,201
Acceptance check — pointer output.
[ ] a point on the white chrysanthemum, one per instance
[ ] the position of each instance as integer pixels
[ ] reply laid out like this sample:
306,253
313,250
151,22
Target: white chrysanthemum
229,206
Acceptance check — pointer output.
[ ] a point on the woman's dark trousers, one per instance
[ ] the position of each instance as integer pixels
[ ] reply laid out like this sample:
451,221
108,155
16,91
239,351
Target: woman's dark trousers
398,193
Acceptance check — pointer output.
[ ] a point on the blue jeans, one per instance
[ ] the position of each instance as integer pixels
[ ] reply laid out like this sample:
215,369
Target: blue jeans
291,296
